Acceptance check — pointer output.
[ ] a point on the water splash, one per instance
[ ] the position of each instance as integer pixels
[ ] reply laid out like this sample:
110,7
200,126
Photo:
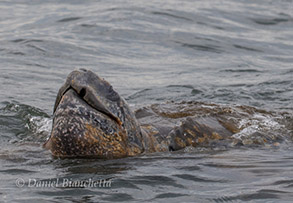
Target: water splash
24,122
39,125
259,129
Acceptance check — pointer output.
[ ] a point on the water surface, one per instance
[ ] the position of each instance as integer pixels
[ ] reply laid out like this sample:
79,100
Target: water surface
227,52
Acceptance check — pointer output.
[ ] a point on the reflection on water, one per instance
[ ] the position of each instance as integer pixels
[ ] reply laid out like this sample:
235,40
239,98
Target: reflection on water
229,53
247,174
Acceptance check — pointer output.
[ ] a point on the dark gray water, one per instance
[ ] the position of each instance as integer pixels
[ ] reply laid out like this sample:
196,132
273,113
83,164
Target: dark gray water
223,52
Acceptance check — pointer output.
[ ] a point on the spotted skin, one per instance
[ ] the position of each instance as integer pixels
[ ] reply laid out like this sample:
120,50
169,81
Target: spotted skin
92,120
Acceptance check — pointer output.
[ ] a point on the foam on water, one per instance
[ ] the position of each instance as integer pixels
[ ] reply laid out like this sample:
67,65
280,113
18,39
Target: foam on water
32,124
39,125
260,129
228,52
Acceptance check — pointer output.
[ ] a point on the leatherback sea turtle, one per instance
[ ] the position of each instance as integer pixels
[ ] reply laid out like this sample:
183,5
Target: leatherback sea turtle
92,120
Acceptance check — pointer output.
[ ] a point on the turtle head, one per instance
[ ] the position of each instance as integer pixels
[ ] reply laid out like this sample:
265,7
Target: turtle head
92,120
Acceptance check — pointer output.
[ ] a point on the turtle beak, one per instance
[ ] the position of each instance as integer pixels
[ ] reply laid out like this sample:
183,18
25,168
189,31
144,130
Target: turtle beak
89,97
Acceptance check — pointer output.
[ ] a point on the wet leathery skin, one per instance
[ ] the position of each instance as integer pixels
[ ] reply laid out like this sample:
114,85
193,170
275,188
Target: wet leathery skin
183,125
81,131
197,132
91,120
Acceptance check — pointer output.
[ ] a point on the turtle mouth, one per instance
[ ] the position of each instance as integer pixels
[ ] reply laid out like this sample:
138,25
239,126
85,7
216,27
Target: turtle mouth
81,94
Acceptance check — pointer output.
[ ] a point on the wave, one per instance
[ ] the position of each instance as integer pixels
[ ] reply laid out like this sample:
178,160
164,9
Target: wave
24,123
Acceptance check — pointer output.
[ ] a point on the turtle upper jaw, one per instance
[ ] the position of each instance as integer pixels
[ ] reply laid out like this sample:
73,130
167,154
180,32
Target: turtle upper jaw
81,94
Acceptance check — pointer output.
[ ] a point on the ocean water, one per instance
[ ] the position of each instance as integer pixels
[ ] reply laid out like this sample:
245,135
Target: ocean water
222,52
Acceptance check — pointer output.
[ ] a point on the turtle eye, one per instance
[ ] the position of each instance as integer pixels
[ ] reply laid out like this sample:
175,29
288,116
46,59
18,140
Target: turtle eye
82,92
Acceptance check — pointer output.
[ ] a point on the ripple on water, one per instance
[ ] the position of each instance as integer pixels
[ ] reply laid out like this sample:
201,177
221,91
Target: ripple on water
229,52
25,123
